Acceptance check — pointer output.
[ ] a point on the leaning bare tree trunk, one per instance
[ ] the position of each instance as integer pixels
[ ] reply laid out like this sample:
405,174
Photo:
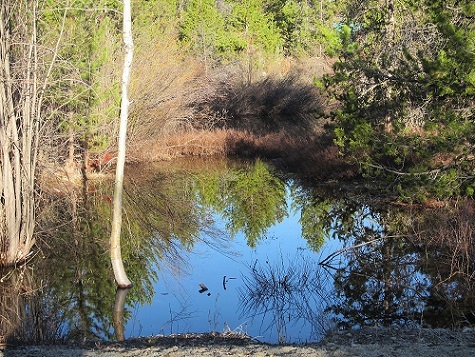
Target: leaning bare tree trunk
20,103
116,256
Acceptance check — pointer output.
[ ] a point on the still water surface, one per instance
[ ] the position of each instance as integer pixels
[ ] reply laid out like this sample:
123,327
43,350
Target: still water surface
250,271
180,305
232,246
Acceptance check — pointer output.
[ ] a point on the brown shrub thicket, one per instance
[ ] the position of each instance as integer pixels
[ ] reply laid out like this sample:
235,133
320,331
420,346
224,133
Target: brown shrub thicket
268,105
182,109
187,143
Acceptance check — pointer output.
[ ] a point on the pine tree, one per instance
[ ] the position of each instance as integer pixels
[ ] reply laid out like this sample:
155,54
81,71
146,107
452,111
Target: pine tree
405,81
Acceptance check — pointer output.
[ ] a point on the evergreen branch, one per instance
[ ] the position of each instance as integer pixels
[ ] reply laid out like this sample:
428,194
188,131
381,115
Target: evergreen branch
464,157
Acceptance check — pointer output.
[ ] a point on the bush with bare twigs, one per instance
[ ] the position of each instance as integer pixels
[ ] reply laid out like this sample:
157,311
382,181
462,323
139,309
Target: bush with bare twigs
447,237
267,105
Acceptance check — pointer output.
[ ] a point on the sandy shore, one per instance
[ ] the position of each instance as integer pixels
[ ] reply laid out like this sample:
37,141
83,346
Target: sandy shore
371,342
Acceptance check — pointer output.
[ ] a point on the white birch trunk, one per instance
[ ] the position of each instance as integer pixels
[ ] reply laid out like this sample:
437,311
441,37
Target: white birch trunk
116,255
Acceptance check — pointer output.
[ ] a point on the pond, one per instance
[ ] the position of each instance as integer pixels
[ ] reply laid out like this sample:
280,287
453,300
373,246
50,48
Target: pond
221,246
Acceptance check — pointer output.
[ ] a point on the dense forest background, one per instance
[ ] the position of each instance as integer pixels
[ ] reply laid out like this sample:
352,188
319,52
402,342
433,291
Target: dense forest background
391,83
373,98
198,65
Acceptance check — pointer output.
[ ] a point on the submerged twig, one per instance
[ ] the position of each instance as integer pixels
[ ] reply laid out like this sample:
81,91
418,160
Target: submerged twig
342,250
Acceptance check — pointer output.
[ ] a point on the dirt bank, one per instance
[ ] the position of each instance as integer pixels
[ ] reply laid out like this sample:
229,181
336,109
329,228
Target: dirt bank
367,342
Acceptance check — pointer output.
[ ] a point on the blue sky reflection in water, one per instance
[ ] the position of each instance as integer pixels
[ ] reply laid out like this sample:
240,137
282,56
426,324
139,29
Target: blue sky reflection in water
398,267
401,265
393,270
179,307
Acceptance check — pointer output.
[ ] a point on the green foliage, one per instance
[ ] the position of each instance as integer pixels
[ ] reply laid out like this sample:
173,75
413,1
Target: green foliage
407,108
330,39
255,25
85,93
203,28
450,73
251,200
233,29
296,23
154,18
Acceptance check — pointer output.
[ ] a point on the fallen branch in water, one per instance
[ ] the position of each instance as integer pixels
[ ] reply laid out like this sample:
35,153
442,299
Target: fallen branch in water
342,250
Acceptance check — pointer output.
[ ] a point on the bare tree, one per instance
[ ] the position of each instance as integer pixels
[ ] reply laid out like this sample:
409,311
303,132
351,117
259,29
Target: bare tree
23,79
116,255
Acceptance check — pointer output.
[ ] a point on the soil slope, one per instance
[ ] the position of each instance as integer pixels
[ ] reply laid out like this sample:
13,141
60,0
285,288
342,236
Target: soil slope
372,342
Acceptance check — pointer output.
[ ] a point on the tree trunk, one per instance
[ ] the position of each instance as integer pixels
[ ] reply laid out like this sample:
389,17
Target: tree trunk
116,255
20,104
390,22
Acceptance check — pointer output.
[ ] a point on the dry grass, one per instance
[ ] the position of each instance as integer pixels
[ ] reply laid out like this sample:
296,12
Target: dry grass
305,68
163,79
313,155
186,143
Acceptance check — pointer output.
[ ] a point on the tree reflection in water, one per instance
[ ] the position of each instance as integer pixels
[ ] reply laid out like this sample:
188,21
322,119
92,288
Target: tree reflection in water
292,292
24,314
445,241
73,285
407,268
119,307
251,199
398,266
